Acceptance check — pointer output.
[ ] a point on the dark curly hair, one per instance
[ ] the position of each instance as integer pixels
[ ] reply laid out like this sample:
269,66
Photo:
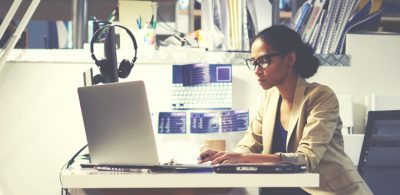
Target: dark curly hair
283,39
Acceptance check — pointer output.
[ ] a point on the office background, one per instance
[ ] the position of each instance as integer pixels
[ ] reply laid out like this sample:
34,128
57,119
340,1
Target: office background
40,120
41,123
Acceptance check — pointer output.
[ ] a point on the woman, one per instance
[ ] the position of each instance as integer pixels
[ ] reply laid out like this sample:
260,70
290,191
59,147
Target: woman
298,122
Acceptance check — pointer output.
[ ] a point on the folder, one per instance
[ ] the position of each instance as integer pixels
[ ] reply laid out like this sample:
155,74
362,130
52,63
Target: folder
343,18
361,19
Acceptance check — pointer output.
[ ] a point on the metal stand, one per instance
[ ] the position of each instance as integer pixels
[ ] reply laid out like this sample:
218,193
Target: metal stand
17,34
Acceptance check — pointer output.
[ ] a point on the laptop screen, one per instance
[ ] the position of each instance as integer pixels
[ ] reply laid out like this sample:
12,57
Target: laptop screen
118,124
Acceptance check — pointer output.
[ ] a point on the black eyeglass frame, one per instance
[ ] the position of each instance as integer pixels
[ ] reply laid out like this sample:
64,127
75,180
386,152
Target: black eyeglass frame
262,61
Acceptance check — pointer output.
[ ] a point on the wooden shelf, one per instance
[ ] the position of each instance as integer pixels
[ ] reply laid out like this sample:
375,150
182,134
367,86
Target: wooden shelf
285,14
197,12
390,19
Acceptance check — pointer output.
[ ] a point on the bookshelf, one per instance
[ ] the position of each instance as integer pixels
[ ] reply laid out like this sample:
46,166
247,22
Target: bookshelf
324,25
230,57
332,55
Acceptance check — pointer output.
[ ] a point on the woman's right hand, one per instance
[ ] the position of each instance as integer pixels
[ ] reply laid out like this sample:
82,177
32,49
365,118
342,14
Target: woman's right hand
209,155
220,157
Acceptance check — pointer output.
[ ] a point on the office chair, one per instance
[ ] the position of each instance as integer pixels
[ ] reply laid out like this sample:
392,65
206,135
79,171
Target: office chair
379,162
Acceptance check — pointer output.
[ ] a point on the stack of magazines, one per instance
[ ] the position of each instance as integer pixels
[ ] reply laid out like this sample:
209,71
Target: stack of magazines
323,24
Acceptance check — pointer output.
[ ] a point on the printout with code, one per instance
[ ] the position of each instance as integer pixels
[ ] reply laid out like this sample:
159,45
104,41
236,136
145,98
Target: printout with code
195,74
204,122
172,122
202,86
234,120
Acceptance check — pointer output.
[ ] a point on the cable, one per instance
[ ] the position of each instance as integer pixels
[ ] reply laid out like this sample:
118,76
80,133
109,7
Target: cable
73,158
167,25
66,166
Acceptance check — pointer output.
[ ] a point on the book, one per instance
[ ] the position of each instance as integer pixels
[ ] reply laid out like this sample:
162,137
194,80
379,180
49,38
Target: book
314,18
302,18
317,31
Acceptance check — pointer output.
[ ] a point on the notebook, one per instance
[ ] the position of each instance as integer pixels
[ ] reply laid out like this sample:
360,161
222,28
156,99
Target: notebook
118,127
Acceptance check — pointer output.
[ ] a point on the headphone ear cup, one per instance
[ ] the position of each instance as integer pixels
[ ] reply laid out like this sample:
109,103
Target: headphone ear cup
104,67
98,79
125,68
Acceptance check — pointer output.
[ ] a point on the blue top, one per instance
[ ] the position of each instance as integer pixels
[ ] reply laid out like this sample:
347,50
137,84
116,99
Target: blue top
280,134
283,135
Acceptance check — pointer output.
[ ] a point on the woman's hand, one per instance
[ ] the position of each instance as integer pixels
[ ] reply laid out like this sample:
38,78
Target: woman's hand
220,157
223,157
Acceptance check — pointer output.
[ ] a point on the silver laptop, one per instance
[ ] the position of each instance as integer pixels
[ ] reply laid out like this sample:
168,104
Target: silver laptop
118,128
118,124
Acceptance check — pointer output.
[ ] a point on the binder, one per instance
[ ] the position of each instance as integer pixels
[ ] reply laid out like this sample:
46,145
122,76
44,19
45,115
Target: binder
373,18
334,7
359,17
324,30
344,16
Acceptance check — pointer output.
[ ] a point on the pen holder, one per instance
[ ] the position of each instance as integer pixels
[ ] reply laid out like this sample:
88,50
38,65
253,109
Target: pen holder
146,37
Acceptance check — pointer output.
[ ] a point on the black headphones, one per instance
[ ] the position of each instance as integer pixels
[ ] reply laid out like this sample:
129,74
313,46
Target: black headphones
125,66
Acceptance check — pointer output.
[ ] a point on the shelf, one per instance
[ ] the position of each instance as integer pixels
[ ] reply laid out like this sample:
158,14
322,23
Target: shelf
162,56
186,12
197,13
390,19
285,14
333,59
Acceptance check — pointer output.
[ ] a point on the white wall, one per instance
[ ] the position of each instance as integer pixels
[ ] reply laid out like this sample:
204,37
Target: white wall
40,119
40,125
375,68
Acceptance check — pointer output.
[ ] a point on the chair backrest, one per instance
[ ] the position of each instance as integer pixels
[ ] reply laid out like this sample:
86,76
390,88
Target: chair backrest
379,162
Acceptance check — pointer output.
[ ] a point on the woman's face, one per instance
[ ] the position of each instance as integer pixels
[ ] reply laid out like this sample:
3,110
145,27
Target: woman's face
277,69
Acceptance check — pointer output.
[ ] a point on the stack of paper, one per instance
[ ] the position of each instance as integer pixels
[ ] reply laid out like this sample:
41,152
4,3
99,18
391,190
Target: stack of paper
227,18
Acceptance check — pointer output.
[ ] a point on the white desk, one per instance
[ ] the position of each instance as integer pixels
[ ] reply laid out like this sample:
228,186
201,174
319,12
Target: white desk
94,179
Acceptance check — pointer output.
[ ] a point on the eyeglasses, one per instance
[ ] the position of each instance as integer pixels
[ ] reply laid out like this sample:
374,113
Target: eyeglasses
262,61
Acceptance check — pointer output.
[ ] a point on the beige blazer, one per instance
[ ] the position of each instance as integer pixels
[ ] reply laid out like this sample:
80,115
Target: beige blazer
314,138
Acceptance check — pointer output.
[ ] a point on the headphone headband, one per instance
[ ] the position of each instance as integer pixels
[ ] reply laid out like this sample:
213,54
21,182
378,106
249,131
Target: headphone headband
97,33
